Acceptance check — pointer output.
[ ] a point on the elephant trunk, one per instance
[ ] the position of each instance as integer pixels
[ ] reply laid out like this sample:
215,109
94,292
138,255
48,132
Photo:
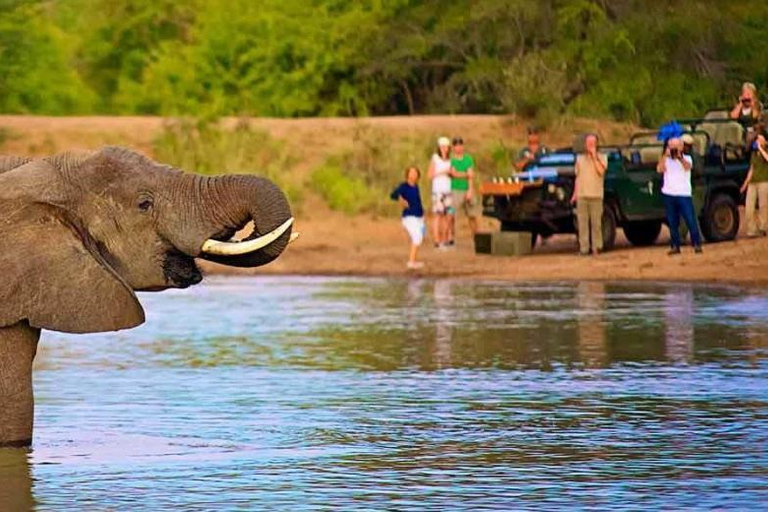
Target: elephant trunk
237,200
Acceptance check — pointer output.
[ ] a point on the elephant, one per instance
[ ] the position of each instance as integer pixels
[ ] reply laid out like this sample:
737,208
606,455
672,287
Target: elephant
82,232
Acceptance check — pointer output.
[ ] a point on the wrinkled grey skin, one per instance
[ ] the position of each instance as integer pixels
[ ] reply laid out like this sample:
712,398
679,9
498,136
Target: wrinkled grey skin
81,232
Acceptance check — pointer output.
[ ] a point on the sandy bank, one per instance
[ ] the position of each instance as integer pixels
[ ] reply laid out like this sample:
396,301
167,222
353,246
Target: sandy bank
335,245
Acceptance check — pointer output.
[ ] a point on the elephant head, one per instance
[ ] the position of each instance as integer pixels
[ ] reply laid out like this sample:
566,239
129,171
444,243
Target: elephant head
82,232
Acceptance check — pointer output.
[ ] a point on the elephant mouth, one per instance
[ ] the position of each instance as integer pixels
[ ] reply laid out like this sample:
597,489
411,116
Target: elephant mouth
180,270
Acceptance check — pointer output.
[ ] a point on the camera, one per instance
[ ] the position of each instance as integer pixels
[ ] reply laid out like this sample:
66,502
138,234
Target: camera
674,153
746,102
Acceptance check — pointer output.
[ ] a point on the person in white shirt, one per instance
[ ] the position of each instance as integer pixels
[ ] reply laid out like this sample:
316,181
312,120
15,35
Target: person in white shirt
442,199
676,168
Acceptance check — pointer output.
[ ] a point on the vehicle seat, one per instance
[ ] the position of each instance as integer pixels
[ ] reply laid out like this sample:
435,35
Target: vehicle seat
645,139
650,155
730,134
717,114
710,129
699,143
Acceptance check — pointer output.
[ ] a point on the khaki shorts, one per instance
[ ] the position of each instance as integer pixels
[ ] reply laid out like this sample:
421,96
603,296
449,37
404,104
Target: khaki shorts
470,207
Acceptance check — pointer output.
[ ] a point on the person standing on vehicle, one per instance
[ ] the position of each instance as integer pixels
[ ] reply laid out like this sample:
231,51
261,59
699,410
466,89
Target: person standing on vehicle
588,196
442,206
531,151
756,187
677,192
748,109
462,188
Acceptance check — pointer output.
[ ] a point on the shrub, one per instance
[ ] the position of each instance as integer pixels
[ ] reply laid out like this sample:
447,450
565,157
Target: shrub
208,147
342,192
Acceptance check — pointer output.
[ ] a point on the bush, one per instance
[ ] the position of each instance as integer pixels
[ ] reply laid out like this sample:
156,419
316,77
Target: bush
343,193
374,165
208,147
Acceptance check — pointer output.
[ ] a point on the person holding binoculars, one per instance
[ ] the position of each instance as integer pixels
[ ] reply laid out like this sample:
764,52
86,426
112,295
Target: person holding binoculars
676,167
748,109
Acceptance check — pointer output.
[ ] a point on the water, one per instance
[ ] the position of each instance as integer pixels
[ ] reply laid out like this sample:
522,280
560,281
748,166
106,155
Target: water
305,393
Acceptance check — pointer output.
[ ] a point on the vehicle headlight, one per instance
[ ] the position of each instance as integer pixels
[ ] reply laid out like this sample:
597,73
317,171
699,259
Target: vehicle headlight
560,193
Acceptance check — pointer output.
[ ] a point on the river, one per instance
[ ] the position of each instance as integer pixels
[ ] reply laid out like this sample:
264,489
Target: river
292,393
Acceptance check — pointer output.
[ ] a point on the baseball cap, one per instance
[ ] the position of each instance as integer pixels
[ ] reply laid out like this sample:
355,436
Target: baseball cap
443,141
687,138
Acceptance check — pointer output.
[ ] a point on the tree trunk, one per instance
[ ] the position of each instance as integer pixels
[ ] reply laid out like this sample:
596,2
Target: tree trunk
18,345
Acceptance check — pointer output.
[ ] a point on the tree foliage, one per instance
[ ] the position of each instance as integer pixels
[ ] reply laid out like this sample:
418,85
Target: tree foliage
634,60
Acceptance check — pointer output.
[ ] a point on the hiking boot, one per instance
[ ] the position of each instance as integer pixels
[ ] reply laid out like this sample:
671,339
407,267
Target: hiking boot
673,251
698,249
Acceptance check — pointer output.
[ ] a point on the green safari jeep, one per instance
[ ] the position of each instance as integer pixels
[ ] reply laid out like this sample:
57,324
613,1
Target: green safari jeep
538,199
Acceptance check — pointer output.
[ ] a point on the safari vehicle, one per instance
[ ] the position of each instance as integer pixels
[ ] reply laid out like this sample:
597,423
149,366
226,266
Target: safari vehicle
538,199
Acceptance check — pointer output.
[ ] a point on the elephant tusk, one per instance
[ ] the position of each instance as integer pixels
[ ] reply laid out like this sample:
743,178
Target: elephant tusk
218,248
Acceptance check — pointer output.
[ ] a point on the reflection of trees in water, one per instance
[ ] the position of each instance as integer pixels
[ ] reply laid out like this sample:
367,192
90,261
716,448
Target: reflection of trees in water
590,297
678,323
15,481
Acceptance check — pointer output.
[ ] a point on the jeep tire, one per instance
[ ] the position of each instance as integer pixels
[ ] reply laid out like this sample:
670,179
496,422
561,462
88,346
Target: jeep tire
642,233
721,219
609,228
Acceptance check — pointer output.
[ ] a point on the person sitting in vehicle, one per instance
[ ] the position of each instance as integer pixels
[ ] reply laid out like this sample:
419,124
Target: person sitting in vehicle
531,151
748,109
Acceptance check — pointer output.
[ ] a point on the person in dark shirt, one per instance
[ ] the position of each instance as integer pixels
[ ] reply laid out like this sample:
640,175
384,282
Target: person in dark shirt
407,194
532,150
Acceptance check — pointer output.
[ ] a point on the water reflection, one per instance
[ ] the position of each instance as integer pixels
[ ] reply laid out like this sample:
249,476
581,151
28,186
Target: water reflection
410,394
443,301
591,320
678,321
15,481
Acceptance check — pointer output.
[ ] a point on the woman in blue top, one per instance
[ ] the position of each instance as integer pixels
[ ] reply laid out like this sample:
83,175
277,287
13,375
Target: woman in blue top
407,194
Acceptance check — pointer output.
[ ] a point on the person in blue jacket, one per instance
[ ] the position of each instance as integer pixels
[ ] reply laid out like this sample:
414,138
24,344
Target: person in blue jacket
407,194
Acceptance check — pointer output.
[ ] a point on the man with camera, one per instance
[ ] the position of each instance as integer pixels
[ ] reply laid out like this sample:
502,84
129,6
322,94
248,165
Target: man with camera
756,187
676,167
588,196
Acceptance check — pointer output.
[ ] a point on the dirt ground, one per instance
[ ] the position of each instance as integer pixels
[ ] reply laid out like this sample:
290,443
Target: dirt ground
335,245
332,243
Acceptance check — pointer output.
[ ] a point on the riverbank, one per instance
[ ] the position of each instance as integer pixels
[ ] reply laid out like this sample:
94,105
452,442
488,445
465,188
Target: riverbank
335,243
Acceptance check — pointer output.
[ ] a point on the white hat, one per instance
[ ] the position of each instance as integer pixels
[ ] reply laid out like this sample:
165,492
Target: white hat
687,138
443,141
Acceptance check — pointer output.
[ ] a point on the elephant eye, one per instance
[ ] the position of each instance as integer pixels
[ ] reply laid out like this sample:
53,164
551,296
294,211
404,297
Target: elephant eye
145,204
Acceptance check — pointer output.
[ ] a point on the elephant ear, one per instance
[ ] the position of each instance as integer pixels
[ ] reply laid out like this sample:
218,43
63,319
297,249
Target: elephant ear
52,271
